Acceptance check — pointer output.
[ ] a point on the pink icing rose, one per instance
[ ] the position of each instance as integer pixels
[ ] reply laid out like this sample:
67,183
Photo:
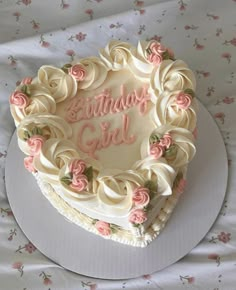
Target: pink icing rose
77,166
166,140
79,182
157,150
103,228
35,144
154,58
28,162
137,216
183,100
78,72
141,196
157,48
26,81
181,185
19,99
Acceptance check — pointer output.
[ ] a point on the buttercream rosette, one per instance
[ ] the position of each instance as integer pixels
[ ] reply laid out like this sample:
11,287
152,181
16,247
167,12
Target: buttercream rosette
158,172
60,84
167,111
116,55
171,76
95,73
179,152
55,153
138,62
48,126
38,101
116,188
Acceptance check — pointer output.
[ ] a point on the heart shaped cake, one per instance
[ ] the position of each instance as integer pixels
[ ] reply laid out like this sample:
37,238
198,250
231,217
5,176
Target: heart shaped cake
109,138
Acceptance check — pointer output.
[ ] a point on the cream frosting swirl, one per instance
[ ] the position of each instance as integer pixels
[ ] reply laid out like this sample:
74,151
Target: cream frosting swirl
49,126
116,54
167,111
40,101
95,73
55,154
159,172
183,149
138,62
115,189
60,84
172,76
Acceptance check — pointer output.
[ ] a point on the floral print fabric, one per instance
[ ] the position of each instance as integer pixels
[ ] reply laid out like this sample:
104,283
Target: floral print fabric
200,32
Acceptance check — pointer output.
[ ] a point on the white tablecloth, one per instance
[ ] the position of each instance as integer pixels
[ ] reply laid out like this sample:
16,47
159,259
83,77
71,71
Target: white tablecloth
203,33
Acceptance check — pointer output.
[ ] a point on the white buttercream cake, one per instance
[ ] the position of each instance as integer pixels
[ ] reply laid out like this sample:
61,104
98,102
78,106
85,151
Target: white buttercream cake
109,138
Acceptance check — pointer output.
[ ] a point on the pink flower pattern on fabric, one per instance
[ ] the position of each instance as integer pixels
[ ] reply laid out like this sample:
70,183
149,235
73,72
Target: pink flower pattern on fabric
78,72
137,216
19,99
103,228
141,196
35,144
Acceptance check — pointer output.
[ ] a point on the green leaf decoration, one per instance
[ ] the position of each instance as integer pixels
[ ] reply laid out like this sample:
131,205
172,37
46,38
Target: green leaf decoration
154,138
177,179
114,228
94,221
171,152
66,67
26,135
66,179
136,225
152,186
148,207
36,131
25,89
190,92
149,51
89,173
166,55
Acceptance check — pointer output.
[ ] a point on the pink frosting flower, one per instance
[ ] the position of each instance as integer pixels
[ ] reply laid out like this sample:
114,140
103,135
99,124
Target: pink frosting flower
103,228
181,185
166,140
19,99
141,196
157,150
35,144
154,58
78,72
79,182
183,100
157,47
26,81
137,216
77,166
28,162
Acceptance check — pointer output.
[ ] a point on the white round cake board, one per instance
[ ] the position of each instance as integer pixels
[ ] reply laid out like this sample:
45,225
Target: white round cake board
88,254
